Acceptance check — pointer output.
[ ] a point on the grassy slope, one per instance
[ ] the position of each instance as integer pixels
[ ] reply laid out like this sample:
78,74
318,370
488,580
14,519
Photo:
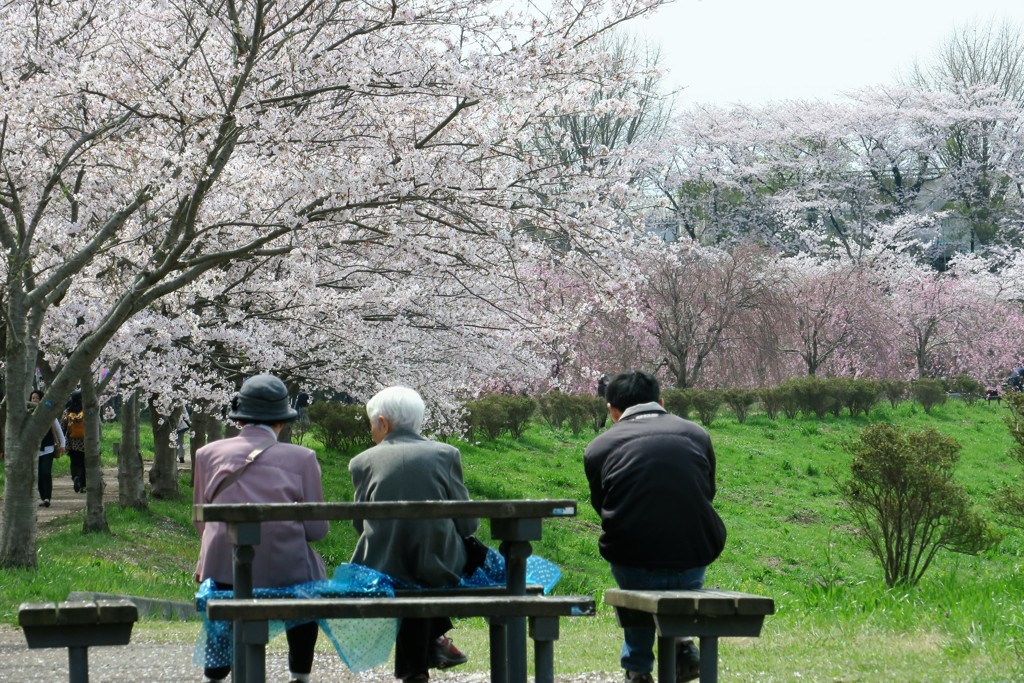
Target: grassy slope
788,538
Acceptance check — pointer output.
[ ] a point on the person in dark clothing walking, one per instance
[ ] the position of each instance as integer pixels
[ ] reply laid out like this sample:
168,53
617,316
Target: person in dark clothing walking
72,421
51,447
652,482
602,387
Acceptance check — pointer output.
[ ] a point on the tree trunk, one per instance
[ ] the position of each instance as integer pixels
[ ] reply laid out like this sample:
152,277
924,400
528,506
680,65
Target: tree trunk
18,531
23,431
163,475
130,472
95,515
205,428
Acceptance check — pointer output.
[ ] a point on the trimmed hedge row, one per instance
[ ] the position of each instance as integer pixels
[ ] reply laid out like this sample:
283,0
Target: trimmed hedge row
342,426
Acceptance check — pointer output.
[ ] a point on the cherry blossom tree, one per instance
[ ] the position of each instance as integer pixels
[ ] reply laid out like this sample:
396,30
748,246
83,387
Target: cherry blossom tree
833,310
827,178
695,297
148,149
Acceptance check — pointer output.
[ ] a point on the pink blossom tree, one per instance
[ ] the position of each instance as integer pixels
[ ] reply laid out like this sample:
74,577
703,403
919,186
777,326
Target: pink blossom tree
150,149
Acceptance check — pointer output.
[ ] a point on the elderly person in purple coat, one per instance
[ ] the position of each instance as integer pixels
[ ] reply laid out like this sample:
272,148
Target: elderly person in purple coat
254,468
428,552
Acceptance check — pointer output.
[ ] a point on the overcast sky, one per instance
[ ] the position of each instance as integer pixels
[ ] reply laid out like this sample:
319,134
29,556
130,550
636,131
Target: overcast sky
755,51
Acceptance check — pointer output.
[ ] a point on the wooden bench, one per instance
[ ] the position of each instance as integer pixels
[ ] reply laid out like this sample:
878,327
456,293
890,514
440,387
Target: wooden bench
542,612
707,614
515,523
77,626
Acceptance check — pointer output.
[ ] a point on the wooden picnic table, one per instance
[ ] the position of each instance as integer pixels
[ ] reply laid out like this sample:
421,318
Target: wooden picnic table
515,523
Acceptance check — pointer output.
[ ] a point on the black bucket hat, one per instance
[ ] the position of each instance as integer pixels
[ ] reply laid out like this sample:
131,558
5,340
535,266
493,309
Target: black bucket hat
263,398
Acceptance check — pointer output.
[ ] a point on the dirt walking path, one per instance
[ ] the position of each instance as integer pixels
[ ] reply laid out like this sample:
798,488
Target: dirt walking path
65,501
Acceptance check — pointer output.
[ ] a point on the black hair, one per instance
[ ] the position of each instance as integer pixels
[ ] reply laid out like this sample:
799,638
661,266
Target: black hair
628,389
74,403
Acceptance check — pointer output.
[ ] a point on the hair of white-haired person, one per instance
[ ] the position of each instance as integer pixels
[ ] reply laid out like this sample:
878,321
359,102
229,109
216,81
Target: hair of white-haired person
403,407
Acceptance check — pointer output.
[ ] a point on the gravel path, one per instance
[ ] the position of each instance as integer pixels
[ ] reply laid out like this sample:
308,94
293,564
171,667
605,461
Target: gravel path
148,659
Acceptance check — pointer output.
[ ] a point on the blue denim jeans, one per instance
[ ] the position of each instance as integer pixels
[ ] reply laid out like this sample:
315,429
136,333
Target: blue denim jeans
638,643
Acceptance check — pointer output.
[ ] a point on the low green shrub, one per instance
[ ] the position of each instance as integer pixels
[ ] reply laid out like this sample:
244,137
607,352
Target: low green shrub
813,395
519,410
678,402
862,395
492,414
574,410
895,390
554,408
739,402
789,399
771,400
903,496
706,402
340,426
929,393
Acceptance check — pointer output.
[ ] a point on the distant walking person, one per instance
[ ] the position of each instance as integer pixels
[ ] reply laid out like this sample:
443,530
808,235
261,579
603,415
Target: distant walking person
73,422
51,447
652,481
301,405
254,468
184,424
602,388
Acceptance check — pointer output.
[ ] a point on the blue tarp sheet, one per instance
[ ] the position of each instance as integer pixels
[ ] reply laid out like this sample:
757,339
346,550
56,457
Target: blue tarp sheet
360,643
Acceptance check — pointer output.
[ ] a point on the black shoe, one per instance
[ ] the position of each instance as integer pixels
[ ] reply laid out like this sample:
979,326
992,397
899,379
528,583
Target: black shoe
78,487
45,504
638,677
687,661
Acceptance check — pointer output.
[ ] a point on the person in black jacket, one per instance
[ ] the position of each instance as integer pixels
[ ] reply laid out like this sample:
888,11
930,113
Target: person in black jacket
652,482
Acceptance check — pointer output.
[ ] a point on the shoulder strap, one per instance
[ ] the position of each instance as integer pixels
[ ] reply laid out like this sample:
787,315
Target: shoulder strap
233,477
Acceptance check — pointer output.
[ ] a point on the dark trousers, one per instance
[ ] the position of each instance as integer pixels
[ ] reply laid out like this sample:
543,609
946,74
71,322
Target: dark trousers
301,643
414,643
77,459
45,481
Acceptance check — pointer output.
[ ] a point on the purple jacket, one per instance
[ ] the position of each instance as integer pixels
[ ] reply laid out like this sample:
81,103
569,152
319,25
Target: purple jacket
283,473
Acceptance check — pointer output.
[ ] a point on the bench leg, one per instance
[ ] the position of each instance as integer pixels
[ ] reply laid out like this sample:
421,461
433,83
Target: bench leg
709,659
516,553
499,650
544,631
242,577
256,634
78,664
666,659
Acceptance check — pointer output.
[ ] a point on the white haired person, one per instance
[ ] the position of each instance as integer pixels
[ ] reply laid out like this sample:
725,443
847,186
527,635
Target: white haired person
406,466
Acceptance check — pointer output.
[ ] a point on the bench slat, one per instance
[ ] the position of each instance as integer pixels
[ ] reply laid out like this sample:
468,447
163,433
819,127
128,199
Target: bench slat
85,612
428,509
703,602
388,608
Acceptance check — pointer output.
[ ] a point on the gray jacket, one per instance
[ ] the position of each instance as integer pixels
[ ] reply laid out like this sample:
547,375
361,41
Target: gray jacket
405,466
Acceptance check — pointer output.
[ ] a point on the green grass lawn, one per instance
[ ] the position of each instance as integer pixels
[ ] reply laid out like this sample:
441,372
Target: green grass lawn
789,538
